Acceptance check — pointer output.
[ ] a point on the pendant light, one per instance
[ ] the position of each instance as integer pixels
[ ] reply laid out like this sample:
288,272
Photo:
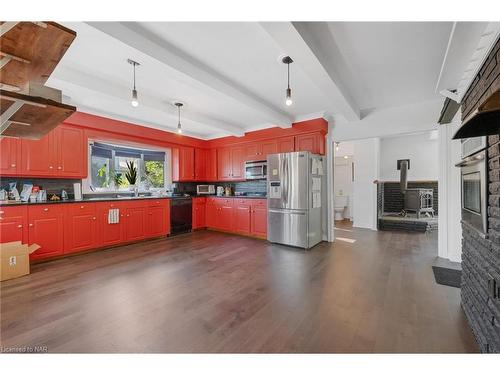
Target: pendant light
337,146
288,60
179,126
135,101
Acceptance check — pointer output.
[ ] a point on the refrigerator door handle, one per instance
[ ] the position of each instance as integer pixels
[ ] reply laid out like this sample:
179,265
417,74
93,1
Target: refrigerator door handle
287,212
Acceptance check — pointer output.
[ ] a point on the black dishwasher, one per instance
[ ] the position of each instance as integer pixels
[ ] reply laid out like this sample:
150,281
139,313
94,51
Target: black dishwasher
180,215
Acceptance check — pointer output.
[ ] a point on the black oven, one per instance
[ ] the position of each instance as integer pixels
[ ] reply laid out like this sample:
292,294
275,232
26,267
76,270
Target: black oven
474,179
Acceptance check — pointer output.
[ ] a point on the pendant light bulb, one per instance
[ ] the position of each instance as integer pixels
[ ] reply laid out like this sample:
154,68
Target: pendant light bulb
135,101
288,100
179,126
288,60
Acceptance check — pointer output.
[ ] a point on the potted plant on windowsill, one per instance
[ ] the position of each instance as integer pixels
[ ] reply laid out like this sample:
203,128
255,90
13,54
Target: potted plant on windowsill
131,175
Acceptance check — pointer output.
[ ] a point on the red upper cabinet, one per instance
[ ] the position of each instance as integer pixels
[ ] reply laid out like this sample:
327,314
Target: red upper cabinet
268,148
183,159
224,167
45,229
237,163
61,153
314,143
211,165
260,150
80,227
72,152
13,224
286,144
201,161
38,157
10,156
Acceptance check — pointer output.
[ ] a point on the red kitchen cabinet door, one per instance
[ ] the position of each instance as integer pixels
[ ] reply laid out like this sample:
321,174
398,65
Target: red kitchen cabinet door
201,160
252,151
224,167
157,217
242,217
10,155
313,143
199,208
72,152
211,165
268,148
225,216
80,227
13,224
38,157
186,164
110,234
286,144
212,215
135,223
237,163
259,219
46,230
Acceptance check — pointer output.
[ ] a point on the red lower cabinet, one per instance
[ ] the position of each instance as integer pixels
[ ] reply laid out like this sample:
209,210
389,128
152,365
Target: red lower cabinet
80,227
242,216
199,208
158,218
110,233
135,223
13,224
258,223
45,229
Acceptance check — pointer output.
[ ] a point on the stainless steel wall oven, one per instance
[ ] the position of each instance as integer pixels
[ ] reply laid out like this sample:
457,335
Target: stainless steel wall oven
474,179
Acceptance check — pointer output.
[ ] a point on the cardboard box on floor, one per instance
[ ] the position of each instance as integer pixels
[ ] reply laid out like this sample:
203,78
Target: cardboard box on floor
15,259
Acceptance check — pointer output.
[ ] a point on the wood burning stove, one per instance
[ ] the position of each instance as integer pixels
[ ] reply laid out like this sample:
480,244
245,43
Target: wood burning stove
417,200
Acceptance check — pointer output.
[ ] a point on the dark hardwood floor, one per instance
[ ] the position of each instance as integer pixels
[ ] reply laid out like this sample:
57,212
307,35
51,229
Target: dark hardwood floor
215,292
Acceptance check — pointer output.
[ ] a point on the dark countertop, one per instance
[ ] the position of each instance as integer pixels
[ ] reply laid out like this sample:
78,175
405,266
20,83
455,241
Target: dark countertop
230,196
107,199
87,200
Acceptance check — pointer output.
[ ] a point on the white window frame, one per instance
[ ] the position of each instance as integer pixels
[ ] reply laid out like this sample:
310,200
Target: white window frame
87,187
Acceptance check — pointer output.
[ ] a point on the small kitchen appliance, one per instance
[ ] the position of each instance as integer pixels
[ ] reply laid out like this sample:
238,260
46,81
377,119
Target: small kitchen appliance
205,189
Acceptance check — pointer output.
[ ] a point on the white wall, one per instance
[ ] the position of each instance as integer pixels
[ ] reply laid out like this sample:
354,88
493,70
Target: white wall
450,229
421,149
366,171
343,183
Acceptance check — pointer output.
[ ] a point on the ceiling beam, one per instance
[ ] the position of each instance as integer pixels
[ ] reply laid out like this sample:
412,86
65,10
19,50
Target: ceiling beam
135,36
90,82
310,44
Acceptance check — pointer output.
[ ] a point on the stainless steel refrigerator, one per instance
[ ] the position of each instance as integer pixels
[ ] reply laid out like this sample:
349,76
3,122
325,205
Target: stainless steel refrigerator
294,198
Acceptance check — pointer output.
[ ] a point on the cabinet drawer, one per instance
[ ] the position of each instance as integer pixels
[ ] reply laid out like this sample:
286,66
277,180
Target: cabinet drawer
225,201
80,208
44,210
13,211
258,202
108,205
157,202
239,201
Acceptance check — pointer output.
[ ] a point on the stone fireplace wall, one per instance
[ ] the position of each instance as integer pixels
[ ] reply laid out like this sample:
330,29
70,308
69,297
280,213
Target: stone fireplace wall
480,288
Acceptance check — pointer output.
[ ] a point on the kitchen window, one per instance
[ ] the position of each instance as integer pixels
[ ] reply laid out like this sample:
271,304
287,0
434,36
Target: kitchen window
108,166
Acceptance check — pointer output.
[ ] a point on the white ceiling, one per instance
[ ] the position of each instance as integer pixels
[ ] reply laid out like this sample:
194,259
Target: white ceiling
231,80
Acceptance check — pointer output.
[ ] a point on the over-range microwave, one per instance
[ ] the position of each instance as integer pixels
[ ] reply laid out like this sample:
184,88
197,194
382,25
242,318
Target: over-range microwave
256,170
205,189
